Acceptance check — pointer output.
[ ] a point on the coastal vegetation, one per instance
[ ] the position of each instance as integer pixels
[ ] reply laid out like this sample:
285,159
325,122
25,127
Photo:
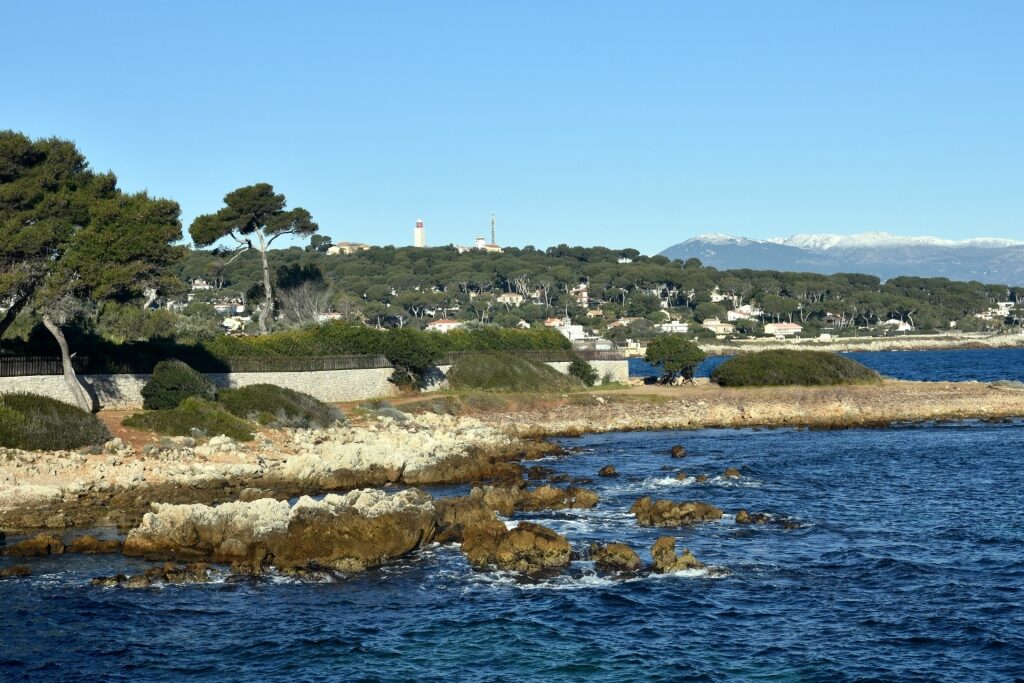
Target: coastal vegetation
194,417
275,406
674,355
33,422
506,372
172,382
784,367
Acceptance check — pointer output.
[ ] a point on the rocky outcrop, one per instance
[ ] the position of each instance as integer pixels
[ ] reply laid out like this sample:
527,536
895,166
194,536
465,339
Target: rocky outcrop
678,452
554,498
529,549
15,571
614,557
455,516
350,532
744,517
90,545
39,545
732,473
607,471
668,513
665,559
169,573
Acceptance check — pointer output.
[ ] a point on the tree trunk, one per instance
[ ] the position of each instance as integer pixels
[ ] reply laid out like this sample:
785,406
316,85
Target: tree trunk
82,399
268,293
151,296
12,313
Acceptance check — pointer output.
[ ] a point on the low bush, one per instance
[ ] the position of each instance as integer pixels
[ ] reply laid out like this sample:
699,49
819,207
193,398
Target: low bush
38,423
276,406
508,372
173,382
782,367
583,371
194,417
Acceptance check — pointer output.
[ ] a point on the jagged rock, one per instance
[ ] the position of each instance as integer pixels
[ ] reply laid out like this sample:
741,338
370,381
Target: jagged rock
560,478
744,517
15,571
501,499
350,532
614,557
198,572
668,513
553,498
665,559
528,549
607,471
678,452
732,473
37,546
456,515
538,472
90,545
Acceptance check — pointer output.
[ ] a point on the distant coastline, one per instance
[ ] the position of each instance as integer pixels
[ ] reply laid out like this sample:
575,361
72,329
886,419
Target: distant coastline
907,343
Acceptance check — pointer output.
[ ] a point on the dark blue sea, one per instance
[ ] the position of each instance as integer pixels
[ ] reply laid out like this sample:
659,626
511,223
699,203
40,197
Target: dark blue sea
906,563
951,365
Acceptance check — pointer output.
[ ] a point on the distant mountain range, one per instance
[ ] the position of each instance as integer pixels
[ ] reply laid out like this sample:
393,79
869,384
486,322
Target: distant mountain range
993,261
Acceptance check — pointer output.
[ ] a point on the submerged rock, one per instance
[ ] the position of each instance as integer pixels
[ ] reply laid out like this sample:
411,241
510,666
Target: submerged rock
744,517
38,546
528,549
169,573
607,471
732,473
90,545
668,513
678,452
350,532
614,557
15,571
701,478
665,559
680,475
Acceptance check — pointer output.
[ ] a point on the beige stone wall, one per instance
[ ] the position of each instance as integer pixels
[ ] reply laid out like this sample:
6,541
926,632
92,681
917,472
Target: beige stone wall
125,391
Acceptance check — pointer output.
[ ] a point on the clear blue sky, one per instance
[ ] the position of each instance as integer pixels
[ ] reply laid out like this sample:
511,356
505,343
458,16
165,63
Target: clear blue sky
586,122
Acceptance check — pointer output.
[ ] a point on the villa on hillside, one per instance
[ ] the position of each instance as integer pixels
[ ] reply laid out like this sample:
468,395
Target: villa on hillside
780,330
896,325
347,248
443,325
717,326
510,299
674,327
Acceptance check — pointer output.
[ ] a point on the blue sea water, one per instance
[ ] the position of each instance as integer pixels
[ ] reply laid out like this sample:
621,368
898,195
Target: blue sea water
952,365
906,564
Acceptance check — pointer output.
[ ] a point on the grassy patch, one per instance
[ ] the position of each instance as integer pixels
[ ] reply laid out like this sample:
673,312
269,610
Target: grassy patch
276,406
509,373
38,423
194,417
786,367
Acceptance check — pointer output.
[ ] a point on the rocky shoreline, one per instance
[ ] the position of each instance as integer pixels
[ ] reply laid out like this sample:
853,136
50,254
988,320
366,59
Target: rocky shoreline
844,344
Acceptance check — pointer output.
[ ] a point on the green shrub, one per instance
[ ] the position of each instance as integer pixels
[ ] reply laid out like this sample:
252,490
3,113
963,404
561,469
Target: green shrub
674,355
38,423
508,372
774,368
194,417
276,406
583,371
173,382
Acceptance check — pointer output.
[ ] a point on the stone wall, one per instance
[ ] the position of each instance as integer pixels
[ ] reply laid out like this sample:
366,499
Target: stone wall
334,386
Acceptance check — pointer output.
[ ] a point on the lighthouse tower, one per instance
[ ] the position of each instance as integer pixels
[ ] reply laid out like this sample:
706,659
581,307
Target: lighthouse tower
419,234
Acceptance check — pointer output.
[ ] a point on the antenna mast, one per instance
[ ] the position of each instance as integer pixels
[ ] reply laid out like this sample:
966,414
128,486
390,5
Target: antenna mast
493,239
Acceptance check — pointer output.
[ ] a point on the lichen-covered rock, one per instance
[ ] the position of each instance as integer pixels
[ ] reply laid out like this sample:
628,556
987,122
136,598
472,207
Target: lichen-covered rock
15,571
350,532
528,549
90,545
607,471
614,557
38,546
669,513
665,559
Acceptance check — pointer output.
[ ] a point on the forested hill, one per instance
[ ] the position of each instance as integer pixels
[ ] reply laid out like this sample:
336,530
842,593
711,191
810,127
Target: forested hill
411,286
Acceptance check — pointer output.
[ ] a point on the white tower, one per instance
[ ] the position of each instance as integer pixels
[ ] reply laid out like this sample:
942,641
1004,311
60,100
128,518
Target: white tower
419,234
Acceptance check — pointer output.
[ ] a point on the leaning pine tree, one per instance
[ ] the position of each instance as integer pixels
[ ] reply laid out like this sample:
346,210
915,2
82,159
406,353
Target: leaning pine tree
70,239
253,212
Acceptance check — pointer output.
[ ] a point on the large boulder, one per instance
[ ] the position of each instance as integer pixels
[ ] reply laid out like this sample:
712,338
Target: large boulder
607,471
528,549
350,532
38,546
554,498
457,515
678,452
15,571
614,557
668,513
665,559
744,517
90,545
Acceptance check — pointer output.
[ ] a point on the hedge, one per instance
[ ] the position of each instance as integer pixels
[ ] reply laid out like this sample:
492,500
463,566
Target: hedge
784,367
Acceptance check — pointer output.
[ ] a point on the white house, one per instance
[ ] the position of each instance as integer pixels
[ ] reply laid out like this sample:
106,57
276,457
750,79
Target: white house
510,298
347,248
744,312
780,330
581,294
717,326
896,325
444,325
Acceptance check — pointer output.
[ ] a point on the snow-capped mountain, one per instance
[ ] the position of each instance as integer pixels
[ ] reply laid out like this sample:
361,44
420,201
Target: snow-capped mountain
990,260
